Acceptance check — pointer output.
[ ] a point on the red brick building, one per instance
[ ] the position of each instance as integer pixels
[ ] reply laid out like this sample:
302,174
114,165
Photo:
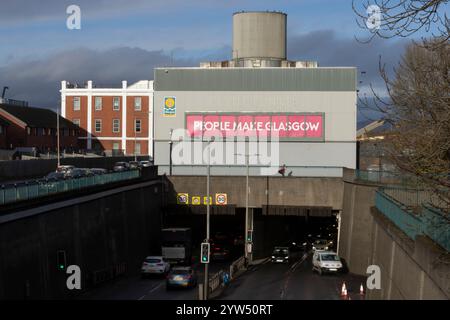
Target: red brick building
35,127
114,120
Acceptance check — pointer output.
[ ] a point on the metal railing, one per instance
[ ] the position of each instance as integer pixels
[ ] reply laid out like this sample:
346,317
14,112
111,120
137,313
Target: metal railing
236,266
414,215
381,178
40,188
215,281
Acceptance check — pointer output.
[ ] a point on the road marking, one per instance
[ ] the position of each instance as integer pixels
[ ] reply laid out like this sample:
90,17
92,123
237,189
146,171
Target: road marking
150,291
155,288
289,274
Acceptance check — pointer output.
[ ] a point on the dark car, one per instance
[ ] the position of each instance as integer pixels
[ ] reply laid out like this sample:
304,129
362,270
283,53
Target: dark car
145,163
98,171
220,251
121,166
280,254
134,164
79,173
55,176
181,277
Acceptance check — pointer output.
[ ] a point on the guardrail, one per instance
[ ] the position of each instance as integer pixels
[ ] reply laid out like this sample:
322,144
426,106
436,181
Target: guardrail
39,188
420,220
236,266
215,281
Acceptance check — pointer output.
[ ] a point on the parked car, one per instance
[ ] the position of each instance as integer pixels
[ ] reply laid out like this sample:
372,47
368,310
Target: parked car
321,244
154,265
181,277
121,166
145,163
134,164
78,173
65,168
326,261
98,171
55,176
220,252
280,254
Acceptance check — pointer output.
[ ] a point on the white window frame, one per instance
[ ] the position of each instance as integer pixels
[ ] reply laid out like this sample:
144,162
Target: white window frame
76,122
136,144
135,125
118,126
98,107
136,106
118,105
76,107
95,125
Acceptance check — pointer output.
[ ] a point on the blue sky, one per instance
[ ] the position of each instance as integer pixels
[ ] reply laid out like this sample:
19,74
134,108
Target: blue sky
124,40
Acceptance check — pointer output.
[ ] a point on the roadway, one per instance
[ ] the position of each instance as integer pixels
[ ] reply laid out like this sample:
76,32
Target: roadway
149,288
293,281
267,281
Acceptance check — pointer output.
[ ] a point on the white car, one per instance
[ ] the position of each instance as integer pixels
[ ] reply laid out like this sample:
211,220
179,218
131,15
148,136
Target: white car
326,261
321,244
154,265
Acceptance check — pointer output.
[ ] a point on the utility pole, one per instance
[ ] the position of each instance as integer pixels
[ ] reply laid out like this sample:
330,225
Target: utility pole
135,156
57,134
208,211
170,153
247,226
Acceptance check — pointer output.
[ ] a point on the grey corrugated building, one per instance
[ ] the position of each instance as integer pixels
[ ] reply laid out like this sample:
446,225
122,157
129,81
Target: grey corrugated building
311,110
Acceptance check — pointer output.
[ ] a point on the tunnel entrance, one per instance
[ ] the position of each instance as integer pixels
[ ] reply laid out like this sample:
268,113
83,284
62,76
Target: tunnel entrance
228,229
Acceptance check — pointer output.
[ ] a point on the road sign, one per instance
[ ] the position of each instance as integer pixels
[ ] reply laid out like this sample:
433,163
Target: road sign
204,256
205,200
183,198
221,199
196,201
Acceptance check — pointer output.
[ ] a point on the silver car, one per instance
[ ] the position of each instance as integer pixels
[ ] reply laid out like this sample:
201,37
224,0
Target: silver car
321,244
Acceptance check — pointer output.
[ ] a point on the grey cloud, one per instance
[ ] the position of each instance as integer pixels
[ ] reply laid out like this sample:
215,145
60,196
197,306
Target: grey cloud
39,81
23,11
325,47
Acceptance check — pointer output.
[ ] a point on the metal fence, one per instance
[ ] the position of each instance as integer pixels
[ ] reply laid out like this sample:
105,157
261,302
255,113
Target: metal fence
412,214
39,188
385,178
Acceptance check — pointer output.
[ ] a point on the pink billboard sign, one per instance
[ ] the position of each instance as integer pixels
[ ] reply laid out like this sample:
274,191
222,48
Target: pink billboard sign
296,126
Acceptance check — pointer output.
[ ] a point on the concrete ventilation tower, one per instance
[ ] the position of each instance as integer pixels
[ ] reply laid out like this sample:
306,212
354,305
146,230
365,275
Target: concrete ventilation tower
259,41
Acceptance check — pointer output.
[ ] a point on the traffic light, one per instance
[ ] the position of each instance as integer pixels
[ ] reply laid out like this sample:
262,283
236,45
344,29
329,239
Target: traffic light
249,235
205,253
61,260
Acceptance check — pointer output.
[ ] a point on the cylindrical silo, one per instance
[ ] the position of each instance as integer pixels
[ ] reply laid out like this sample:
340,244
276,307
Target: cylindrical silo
259,35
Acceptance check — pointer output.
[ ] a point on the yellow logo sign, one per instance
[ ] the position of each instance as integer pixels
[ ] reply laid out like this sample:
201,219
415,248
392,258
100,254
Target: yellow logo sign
196,201
205,200
183,198
169,103
170,109
221,199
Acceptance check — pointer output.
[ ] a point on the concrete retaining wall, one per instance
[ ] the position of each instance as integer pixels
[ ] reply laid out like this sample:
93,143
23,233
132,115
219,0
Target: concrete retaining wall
105,237
286,191
410,269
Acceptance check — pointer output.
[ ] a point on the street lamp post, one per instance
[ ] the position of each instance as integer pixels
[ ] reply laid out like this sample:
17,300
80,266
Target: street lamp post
135,155
57,135
170,153
246,241
208,211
